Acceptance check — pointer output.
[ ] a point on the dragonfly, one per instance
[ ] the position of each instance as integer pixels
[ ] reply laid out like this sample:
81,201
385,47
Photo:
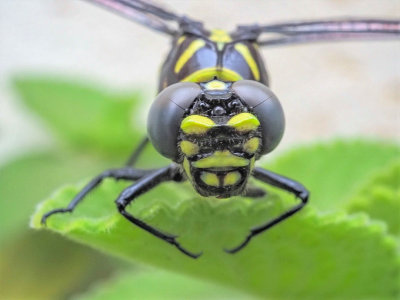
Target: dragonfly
215,115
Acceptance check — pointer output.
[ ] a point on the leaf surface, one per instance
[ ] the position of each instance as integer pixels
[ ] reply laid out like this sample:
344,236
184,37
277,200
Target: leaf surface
380,197
154,285
313,255
334,171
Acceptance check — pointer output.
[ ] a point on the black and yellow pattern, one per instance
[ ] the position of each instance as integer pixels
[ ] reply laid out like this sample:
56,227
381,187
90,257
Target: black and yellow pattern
217,151
200,59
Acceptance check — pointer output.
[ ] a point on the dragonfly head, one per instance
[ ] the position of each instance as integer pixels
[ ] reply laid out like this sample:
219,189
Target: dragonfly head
216,130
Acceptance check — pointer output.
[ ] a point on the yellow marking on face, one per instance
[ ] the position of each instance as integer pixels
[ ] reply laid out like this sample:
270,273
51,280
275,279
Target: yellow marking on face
251,146
188,53
252,162
232,178
221,159
186,167
215,85
209,179
245,52
244,122
220,37
208,74
196,124
189,148
180,40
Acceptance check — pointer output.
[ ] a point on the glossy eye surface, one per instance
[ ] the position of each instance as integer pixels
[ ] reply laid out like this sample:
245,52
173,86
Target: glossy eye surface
166,114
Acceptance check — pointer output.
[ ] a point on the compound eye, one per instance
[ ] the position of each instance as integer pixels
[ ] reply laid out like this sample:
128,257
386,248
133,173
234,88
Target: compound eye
265,105
166,114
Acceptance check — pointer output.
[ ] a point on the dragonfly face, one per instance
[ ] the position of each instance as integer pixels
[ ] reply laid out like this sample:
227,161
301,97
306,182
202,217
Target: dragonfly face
219,140
222,130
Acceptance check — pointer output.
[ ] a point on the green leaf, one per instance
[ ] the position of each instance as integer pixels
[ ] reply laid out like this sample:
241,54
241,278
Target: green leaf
380,197
83,115
24,181
159,285
309,256
333,171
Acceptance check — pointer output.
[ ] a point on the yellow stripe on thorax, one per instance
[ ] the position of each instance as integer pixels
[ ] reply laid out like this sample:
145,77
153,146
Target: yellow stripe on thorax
180,40
245,52
221,159
188,53
208,74
220,37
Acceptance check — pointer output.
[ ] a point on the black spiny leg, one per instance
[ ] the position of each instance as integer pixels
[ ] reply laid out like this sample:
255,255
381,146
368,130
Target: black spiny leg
146,183
124,173
281,182
253,191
